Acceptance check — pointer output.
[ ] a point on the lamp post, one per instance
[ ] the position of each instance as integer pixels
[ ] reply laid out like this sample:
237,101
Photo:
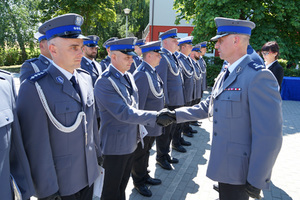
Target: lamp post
127,11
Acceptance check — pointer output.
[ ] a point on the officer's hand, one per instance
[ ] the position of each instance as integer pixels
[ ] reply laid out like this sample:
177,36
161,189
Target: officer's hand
252,191
165,117
54,196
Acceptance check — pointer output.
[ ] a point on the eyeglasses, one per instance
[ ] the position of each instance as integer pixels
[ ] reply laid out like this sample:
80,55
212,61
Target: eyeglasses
265,53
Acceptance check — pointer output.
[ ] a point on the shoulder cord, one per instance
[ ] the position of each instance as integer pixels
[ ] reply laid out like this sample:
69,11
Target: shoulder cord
119,92
170,66
185,71
195,73
81,115
204,68
35,68
134,64
152,88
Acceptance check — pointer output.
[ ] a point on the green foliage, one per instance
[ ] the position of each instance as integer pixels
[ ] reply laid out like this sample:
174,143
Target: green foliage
13,56
100,11
18,20
291,72
214,65
275,20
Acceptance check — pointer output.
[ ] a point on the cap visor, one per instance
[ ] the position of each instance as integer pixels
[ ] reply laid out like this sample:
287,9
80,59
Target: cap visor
131,53
218,36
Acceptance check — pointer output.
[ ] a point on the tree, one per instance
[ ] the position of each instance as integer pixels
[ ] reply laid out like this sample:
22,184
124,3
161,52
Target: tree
17,21
275,20
93,11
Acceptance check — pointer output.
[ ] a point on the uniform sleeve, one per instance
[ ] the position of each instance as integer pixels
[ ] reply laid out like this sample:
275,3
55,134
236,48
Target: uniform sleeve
108,98
266,124
142,84
19,165
196,112
35,135
162,70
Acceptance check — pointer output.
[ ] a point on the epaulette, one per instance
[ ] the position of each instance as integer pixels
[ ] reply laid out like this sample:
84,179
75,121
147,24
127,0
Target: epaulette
32,59
37,76
5,72
106,74
256,66
82,70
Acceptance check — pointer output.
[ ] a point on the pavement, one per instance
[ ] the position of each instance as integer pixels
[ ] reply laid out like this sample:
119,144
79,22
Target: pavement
188,178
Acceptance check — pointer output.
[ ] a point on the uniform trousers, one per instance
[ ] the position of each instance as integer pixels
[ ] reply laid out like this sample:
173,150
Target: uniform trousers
230,192
139,171
196,101
170,132
117,173
84,194
186,125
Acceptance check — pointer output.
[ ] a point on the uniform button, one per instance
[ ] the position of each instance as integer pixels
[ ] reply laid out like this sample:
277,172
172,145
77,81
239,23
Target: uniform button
67,108
216,109
228,97
215,121
6,118
245,154
215,134
268,181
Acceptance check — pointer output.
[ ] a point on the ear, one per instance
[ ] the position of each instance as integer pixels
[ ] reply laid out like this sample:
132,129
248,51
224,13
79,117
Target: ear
52,50
236,40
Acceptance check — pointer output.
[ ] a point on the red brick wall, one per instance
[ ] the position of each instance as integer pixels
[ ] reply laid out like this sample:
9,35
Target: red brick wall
158,29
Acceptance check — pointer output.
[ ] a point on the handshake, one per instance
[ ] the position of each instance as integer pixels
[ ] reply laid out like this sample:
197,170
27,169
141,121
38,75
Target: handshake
165,117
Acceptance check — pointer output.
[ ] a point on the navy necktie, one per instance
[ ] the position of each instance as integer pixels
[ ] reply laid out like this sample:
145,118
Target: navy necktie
129,82
226,74
94,65
75,84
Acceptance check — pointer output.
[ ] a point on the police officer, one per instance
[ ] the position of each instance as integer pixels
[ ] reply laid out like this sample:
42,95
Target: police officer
88,62
15,176
187,69
252,53
170,74
247,117
195,56
117,98
202,63
57,115
106,61
41,63
151,97
137,59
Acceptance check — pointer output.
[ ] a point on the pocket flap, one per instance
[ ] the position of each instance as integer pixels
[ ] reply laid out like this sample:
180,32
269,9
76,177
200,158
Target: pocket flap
231,96
66,107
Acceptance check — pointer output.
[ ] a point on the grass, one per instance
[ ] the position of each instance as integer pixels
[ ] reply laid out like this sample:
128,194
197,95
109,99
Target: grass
12,68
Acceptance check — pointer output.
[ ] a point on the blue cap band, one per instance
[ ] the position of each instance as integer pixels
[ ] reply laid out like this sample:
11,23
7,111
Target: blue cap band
62,29
169,35
196,49
120,47
144,50
43,37
141,43
203,45
186,41
235,29
90,42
